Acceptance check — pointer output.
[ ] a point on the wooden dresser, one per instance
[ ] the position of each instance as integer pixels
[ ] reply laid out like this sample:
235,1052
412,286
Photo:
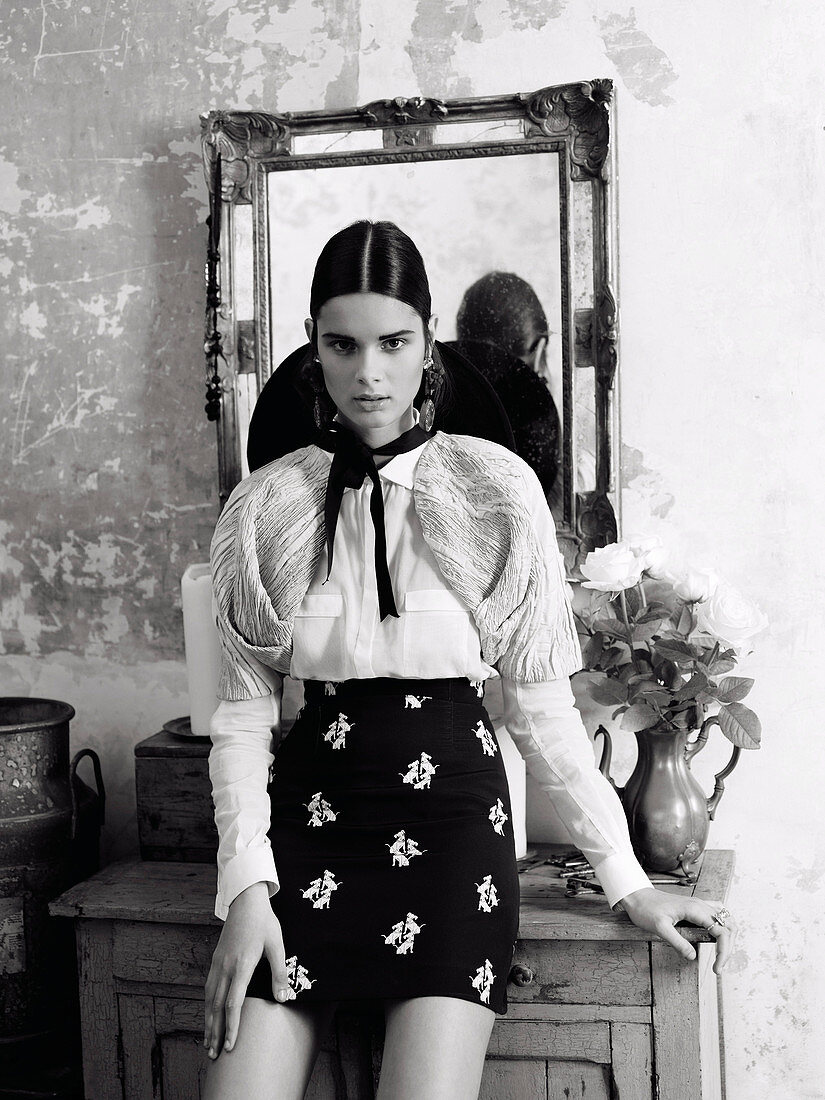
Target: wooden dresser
596,1010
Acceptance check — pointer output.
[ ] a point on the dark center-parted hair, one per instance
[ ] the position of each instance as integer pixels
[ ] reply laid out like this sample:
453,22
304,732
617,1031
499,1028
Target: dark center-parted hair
503,309
377,258
374,257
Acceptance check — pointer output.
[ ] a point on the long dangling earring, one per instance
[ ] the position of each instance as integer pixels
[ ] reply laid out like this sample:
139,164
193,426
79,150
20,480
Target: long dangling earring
318,387
426,414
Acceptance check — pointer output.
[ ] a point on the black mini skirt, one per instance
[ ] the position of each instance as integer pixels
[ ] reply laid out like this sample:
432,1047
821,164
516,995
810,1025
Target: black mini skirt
393,840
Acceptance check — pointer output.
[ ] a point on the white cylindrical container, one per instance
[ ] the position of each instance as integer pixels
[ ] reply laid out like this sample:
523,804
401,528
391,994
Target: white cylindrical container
200,638
513,763
517,782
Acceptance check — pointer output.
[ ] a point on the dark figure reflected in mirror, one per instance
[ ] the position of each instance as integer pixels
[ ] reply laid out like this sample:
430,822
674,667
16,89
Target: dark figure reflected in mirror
502,329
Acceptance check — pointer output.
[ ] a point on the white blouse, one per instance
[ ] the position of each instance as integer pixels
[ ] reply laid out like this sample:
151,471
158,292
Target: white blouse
339,636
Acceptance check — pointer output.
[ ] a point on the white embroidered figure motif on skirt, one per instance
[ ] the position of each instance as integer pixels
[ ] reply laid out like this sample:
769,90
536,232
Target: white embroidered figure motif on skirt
498,816
403,849
483,980
319,810
320,890
478,685
297,975
487,894
488,742
338,730
403,934
330,687
420,771
413,702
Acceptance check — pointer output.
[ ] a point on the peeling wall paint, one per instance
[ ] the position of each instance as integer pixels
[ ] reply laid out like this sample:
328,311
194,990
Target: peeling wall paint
645,69
109,465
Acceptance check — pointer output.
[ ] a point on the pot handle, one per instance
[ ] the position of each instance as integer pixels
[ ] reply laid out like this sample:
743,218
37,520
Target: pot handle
699,743
101,793
607,755
701,739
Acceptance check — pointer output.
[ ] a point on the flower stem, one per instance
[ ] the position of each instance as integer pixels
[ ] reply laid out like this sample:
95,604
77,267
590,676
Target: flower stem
626,621
642,596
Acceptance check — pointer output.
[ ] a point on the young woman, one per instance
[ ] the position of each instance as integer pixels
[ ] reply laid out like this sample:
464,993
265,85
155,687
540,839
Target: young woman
393,570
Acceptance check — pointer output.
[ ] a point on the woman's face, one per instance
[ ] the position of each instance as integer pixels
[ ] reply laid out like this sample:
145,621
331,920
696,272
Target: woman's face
372,350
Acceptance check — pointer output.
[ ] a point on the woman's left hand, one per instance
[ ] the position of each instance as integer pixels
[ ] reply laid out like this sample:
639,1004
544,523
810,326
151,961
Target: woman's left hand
659,911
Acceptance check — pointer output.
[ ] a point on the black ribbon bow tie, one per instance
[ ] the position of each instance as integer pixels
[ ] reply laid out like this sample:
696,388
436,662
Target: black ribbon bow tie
352,461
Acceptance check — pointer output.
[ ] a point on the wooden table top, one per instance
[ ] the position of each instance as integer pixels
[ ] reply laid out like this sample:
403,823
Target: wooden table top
184,893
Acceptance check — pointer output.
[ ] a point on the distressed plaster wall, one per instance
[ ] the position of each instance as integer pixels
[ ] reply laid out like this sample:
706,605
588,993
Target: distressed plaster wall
110,466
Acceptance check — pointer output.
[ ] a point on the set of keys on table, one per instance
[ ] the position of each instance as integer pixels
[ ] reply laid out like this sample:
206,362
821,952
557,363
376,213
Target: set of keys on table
579,876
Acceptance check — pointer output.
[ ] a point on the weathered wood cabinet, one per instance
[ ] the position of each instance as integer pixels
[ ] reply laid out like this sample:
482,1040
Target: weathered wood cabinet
596,1010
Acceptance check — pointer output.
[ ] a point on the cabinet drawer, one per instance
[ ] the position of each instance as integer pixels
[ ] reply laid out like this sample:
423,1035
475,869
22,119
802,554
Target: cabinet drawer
586,972
171,953
581,1041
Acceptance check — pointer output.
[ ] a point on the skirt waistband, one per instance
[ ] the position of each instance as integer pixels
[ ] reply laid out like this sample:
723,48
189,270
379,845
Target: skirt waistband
458,690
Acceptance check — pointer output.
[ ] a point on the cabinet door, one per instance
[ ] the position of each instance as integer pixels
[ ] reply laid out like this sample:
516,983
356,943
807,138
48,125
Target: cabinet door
549,1059
183,1066
514,1080
165,1058
535,1059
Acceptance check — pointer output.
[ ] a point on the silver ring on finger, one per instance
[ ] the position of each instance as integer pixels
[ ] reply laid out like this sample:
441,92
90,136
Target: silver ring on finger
721,917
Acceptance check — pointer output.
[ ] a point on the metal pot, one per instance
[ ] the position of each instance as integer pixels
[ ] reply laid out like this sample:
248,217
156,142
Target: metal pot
49,837
668,814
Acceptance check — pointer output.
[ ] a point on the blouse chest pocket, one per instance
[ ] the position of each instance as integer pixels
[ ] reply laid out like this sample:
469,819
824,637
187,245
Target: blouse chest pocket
318,635
436,633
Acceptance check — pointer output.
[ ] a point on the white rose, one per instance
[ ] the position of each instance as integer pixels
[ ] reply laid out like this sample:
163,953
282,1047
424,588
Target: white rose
640,544
696,585
652,554
611,568
657,561
730,616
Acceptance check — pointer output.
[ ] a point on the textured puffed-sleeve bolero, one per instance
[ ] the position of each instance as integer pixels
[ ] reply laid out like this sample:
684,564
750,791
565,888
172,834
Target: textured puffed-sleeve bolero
483,516
480,530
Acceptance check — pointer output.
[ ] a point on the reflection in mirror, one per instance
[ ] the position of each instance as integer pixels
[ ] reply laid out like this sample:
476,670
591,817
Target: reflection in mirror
441,204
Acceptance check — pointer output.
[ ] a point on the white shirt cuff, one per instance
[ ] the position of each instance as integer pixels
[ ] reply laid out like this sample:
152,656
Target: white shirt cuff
619,875
244,869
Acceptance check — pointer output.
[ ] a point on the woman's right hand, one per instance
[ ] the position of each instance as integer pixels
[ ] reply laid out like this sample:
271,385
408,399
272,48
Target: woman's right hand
250,930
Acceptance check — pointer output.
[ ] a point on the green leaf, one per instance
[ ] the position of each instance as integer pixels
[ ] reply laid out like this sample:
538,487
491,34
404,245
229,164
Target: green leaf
643,632
684,719
614,627
740,725
608,692
686,621
615,657
642,658
634,600
640,717
733,688
698,682
592,651
676,650
669,672
653,611
651,695
721,665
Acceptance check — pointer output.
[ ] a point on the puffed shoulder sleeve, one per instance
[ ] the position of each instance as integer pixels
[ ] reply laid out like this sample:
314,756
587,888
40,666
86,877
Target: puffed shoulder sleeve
247,669
543,641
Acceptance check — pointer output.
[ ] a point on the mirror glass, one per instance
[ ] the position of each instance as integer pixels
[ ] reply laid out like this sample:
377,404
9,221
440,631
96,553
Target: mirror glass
460,213
440,204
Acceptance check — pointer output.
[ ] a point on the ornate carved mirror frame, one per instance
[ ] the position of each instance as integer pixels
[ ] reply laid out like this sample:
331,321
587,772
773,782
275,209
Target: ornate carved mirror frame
245,151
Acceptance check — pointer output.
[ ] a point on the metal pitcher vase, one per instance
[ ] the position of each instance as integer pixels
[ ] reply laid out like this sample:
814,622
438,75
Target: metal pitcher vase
49,834
668,814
